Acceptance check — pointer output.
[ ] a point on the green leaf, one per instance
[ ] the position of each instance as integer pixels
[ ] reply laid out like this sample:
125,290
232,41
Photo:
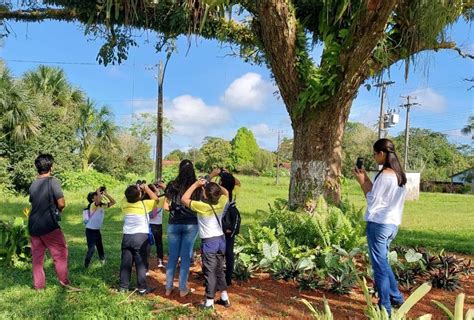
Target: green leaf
414,298
412,256
393,257
444,308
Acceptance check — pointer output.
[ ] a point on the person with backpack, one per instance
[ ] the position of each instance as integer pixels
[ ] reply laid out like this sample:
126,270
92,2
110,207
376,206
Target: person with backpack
182,228
136,235
231,220
47,203
93,217
210,211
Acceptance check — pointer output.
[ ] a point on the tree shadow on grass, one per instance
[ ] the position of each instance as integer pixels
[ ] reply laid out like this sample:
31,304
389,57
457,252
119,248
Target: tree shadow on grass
431,239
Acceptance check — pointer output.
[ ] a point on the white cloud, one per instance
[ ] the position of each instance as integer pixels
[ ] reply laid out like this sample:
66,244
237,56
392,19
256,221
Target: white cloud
429,100
191,117
249,91
262,130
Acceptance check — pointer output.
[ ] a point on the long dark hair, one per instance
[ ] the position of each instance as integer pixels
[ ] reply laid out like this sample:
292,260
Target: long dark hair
391,160
228,182
186,177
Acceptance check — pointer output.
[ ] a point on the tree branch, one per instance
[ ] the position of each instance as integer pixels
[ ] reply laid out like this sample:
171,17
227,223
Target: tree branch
463,54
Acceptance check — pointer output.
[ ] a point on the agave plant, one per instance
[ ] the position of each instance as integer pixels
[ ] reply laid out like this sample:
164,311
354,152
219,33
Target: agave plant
458,309
326,314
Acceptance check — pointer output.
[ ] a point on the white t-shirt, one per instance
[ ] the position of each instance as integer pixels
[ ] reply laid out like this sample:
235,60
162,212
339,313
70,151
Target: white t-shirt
94,217
156,216
209,227
385,201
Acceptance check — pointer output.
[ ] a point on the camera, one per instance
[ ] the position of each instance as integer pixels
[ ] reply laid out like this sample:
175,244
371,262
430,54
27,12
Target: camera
102,189
360,163
140,182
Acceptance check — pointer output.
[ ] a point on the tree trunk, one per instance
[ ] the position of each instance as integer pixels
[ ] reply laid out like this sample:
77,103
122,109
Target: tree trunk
317,153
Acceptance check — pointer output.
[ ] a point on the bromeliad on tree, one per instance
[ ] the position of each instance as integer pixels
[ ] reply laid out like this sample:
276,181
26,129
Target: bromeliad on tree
360,40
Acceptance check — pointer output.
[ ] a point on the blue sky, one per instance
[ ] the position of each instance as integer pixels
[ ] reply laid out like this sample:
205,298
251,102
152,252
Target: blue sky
208,92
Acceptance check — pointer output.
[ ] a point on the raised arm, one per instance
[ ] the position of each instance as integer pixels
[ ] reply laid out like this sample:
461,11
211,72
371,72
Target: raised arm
148,191
363,179
186,198
109,197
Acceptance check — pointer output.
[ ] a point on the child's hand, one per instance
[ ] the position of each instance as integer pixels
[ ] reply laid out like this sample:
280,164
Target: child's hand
201,182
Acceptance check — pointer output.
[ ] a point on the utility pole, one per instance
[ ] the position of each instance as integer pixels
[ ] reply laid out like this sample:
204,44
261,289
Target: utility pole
382,85
407,105
159,119
278,159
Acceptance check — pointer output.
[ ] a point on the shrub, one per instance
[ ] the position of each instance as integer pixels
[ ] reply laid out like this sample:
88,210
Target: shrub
14,241
263,160
78,180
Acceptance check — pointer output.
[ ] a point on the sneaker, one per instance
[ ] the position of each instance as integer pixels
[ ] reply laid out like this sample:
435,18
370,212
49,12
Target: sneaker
225,303
203,306
160,263
396,303
143,292
147,274
123,290
102,262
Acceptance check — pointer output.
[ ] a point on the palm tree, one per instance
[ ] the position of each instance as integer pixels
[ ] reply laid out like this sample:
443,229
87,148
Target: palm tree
52,82
468,129
18,120
96,130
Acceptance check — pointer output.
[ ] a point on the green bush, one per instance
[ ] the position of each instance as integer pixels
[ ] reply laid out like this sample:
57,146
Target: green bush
271,173
78,180
263,160
14,242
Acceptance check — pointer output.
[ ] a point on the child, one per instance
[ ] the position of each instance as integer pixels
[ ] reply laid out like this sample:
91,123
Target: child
156,224
209,213
93,217
135,235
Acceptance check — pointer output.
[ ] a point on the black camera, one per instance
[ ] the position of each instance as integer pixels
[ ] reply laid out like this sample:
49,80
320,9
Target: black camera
360,163
102,189
140,182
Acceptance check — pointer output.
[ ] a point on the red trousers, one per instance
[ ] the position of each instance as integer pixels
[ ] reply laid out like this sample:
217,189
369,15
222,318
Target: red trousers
56,244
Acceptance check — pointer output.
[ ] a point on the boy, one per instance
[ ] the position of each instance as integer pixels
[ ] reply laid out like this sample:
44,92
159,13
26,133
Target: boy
210,212
135,235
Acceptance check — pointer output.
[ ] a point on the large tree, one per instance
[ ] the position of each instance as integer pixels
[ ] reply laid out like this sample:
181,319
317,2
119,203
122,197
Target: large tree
360,39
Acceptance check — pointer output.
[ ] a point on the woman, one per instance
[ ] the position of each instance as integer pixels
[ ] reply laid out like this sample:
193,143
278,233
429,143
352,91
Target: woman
385,199
182,227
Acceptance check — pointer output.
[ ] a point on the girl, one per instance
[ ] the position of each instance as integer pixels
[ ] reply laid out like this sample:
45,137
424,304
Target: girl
209,212
385,200
93,217
156,224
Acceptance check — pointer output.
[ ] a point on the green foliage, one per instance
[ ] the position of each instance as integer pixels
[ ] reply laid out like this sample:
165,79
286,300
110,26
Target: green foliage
433,155
144,126
290,246
244,147
216,152
286,149
76,180
14,242
263,160
176,155
357,142
458,313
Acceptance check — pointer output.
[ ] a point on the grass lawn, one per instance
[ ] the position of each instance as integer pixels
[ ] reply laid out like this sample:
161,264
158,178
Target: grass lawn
436,220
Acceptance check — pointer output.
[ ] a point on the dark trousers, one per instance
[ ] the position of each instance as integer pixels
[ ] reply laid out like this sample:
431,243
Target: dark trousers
157,230
229,259
134,250
213,257
94,239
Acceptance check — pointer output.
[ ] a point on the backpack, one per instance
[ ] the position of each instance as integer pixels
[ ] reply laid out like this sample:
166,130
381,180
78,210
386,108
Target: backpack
231,219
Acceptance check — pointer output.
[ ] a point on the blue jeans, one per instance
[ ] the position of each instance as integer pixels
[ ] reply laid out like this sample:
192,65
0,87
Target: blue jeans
379,237
181,239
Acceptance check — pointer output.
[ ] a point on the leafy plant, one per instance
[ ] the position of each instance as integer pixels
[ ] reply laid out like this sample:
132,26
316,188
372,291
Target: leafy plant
458,309
447,275
244,265
14,242
326,314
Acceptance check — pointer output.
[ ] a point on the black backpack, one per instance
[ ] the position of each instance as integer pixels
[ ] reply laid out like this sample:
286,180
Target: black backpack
231,219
